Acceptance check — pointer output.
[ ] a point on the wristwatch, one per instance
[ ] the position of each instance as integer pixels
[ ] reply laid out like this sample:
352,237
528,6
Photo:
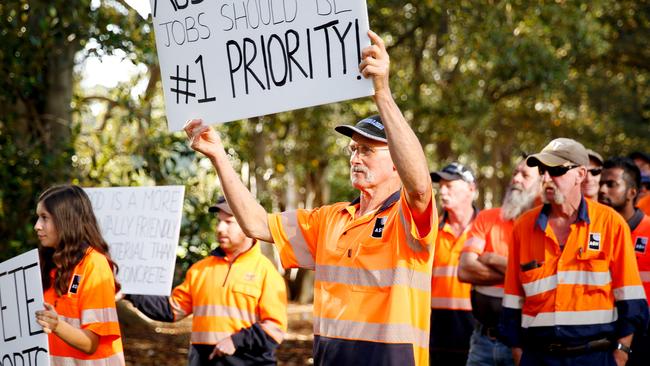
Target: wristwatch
624,348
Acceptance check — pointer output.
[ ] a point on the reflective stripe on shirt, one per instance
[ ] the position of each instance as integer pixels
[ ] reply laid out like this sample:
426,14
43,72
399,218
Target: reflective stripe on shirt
457,303
106,315
224,311
494,291
569,318
586,278
208,337
375,332
447,271
113,360
297,240
374,278
512,301
410,240
629,293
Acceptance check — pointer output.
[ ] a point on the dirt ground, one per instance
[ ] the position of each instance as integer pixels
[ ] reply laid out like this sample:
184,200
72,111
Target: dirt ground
152,343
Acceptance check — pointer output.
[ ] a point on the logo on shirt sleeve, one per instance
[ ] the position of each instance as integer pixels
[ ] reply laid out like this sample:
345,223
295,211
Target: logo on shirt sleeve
640,244
378,230
74,287
594,241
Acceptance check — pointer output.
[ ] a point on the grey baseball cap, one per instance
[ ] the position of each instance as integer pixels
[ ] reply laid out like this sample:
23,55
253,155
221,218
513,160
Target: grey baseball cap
559,152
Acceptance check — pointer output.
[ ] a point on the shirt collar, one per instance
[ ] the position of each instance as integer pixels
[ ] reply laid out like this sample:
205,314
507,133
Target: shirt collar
583,214
635,220
218,252
445,217
384,206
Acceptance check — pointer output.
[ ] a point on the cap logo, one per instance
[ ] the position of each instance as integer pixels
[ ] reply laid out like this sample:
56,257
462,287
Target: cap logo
555,145
374,123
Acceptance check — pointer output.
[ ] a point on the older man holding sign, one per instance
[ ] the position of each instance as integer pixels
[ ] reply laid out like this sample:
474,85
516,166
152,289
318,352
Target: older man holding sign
372,257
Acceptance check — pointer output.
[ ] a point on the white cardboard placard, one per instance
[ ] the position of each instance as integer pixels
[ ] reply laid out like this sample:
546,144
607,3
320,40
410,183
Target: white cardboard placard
227,60
22,340
141,226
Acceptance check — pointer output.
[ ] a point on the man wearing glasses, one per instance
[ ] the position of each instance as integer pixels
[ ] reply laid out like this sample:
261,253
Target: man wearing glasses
591,183
371,257
573,295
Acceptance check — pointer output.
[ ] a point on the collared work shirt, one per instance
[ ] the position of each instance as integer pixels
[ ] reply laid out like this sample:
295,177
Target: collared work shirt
589,289
640,226
447,292
89,305
489,233
372,278
227,296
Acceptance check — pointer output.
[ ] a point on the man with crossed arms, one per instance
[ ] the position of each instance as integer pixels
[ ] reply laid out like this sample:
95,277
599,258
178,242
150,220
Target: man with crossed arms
372,257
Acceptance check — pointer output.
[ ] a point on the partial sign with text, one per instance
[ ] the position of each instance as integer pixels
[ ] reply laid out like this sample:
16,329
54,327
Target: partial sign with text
228,60
21,295
141,226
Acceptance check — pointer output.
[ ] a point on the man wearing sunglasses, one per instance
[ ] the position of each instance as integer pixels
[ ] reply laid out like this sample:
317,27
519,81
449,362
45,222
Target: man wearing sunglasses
590,184
619,186
573,294
371,257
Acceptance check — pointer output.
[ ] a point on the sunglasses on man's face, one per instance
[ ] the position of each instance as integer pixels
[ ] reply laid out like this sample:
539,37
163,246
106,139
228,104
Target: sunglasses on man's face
555,171
595,171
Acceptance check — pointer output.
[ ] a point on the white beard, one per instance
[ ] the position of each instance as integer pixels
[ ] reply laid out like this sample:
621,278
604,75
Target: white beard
517,201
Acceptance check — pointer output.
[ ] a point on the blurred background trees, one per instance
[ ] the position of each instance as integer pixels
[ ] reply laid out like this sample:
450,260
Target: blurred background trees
480,82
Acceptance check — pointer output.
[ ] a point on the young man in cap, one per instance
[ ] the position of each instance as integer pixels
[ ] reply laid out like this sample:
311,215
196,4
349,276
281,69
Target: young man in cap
483,264
372,256
573,295
237,298
451,310
590,184
619,186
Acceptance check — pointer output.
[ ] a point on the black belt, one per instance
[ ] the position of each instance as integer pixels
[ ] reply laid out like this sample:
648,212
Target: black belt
565,350
490,332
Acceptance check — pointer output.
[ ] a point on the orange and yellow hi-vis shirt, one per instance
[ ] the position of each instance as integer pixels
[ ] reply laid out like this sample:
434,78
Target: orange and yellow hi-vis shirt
644,204
489,233
372,279
587,290
90,305
640,226
226,297
447,292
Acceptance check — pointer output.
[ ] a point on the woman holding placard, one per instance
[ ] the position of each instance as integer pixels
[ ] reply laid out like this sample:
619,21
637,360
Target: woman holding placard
78,281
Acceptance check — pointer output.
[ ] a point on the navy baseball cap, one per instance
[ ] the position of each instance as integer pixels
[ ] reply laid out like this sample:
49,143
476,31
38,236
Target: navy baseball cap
453,171
371,127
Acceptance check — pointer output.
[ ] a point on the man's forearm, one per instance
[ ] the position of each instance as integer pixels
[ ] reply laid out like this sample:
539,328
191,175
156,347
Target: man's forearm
250,215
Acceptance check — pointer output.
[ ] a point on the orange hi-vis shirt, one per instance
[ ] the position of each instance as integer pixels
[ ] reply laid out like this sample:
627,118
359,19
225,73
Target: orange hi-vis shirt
644,204
447,292
489,233
90,305
640,226
590,289
372,279
228,296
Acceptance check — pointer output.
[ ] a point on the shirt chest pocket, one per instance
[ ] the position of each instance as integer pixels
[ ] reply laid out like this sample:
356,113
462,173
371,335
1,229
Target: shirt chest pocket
247,290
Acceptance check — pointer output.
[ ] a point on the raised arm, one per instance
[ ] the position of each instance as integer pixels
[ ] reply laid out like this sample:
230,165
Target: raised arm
405,149
250,215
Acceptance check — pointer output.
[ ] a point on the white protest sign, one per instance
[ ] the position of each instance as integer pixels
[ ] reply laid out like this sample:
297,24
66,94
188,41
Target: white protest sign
233,59
141,226
21,295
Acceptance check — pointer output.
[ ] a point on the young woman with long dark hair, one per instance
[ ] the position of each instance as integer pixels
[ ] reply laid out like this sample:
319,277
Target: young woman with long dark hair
78,281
